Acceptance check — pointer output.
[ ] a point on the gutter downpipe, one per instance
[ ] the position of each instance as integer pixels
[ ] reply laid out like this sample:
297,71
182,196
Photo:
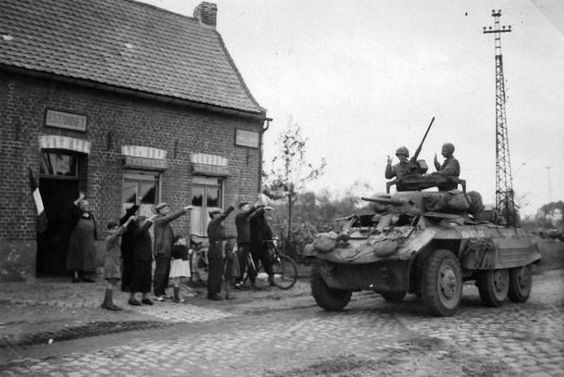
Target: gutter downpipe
265,127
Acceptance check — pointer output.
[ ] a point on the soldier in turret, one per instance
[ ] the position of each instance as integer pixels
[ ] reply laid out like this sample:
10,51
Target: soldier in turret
450,166
400,169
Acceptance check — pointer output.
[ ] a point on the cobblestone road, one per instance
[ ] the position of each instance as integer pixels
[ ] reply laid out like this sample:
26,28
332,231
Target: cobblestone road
525,339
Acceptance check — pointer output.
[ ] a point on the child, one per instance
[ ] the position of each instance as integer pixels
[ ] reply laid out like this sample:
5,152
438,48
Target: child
179,265
112,262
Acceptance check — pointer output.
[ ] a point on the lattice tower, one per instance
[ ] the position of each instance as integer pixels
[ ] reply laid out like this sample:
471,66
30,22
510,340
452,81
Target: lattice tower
504,198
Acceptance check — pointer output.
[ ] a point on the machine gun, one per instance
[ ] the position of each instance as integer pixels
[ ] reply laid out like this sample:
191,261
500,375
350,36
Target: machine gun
416,178
415,166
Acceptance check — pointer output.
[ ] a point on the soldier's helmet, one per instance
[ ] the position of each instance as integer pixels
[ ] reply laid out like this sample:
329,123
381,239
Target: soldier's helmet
449,147
402,150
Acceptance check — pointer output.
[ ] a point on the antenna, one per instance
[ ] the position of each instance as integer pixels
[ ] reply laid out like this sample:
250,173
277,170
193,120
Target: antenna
504,195
549,183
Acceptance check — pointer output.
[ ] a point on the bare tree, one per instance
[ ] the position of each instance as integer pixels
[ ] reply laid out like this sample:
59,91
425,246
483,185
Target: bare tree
289,171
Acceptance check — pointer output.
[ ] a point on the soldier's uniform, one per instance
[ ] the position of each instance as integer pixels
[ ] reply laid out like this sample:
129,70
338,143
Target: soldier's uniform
449,168
398,170
401,168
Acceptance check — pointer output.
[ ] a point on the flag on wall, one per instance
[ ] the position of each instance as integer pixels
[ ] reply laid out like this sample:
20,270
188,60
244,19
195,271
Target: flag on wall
41,216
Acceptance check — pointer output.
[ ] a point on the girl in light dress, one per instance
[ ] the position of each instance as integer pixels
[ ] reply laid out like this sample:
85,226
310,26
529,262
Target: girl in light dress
179,266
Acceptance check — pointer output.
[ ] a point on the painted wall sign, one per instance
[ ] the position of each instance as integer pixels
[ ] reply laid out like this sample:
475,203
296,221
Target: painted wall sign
144,163
246,138
64,120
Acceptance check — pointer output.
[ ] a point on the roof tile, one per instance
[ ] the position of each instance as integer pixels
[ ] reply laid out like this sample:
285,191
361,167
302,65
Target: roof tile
125,44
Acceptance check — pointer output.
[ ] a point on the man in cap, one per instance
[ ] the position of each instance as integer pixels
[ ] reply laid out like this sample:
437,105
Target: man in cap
449,168
242,222
163,245
261,236
216,234
401,168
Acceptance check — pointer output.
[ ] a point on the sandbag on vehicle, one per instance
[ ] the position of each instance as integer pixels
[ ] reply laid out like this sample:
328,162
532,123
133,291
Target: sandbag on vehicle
447,202
325,242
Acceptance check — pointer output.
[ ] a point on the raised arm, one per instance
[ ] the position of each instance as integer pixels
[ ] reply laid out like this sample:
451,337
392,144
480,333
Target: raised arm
436,162
171,216
259,210
123,227
145,227
390,172
226,213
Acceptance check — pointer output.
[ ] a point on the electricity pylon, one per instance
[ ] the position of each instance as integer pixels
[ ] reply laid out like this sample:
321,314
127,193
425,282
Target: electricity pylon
504,195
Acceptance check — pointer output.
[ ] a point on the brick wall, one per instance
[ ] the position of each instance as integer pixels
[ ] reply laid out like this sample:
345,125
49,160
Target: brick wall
131,121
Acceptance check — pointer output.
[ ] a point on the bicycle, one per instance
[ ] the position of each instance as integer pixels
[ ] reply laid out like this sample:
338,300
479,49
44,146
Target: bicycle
199,264
284,268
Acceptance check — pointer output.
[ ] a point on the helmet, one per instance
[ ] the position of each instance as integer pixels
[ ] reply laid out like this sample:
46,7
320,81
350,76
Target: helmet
402,150
449,147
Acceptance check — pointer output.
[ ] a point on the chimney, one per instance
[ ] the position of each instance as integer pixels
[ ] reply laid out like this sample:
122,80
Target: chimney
206,13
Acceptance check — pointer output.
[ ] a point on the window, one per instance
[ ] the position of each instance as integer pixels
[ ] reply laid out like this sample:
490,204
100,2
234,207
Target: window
140,188
59,164
207,193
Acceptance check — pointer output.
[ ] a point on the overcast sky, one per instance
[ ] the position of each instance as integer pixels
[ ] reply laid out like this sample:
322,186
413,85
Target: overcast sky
364,77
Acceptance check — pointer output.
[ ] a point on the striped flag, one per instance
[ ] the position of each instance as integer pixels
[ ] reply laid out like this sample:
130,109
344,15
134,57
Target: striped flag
41,216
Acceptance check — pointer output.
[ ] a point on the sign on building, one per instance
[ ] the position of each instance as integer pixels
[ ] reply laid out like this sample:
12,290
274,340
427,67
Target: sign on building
246,138
65,120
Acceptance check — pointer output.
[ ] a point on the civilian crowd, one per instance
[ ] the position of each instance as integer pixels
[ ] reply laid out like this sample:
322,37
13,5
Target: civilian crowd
130,252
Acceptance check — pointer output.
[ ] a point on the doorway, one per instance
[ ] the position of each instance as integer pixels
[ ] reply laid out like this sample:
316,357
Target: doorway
59,185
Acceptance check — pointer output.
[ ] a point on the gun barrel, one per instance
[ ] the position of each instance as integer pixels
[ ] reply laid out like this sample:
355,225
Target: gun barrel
393,202
422,141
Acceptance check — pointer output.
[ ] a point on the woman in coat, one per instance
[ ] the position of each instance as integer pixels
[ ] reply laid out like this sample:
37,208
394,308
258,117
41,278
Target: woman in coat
127,249
81,258
141,258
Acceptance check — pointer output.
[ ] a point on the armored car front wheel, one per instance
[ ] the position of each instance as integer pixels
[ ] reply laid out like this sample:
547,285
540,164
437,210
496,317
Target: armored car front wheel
441,283
327,298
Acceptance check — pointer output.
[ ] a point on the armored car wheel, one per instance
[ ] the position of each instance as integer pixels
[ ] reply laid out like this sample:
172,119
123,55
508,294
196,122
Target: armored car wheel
327,298
441,283
493,286
393,296
520,283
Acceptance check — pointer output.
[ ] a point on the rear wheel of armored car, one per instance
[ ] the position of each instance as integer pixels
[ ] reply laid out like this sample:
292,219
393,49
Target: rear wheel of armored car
520,283
393,296
441,283
493,286
328,298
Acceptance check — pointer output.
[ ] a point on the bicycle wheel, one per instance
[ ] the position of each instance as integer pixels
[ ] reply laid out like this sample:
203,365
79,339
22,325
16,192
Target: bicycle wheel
200,267
261,277
285,271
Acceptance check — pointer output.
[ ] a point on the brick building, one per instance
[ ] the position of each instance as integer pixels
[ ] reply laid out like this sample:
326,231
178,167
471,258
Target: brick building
126,102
